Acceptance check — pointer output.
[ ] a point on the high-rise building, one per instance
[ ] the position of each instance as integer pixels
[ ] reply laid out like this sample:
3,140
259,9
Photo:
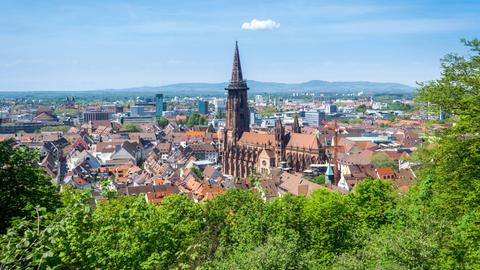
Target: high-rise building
330,108
159,105
219,105
203,107
137,110
95,116
253,117
314,117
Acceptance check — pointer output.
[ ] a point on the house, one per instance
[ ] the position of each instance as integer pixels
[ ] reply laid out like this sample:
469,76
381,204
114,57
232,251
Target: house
77,181
386,173
162,150
138,190
49,165
207,192
113,152
77,158
296,185
404,179
269,189
204,151
120,173
159,193
45,117
212,175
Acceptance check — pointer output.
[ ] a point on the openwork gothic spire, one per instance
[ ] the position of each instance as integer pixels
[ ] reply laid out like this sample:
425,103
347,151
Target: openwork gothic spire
237,67
236,81
296,126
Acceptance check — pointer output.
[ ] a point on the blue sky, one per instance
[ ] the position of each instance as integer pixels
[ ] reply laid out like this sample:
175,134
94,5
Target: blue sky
74,45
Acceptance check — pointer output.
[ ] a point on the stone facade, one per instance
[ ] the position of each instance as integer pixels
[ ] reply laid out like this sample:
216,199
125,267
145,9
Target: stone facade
246,152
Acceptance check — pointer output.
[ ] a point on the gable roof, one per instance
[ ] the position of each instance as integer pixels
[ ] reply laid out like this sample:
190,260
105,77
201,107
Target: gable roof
257,138
304,141
297,185
45,116
385,171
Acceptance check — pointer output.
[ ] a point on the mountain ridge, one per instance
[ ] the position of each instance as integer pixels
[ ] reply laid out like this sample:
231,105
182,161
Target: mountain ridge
276,87
258,87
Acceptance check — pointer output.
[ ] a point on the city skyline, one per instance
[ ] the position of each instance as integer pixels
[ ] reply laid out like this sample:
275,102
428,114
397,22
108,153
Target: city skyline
88,45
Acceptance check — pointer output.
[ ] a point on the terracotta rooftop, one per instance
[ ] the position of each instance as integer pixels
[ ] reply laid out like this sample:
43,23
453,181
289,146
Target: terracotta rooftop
385,171
305,141
161,191
193,133
257,138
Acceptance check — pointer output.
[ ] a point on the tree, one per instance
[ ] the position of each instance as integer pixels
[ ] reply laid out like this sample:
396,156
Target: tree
372,202
361,109
52,239
435,225
197,172
23,186
63,129
210,129
380,160
196,119
162,122
328,222
320,179
131,128
279,252
220,115
268,112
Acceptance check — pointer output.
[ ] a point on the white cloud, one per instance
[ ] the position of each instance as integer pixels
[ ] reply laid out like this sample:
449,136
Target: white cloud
260,25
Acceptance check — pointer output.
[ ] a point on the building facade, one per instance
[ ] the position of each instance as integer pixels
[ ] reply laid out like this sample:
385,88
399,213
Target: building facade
246,152
137,111
95,116
203,107
314,118
159,105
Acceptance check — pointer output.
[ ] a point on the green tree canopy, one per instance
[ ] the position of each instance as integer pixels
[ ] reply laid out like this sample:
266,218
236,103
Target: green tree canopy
162,122
131,128
196,119
23,186
381,159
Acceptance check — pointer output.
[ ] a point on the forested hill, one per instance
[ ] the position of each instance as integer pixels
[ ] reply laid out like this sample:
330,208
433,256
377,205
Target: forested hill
192,89
315,85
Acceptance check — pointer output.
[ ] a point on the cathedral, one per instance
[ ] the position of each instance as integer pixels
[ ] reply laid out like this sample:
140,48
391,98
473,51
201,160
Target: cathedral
246,152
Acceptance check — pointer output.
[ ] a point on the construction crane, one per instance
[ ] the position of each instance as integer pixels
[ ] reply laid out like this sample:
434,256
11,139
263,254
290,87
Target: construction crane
335,129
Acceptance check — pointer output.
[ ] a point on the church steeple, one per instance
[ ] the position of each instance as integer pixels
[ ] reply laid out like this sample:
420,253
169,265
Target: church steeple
279,132
237,120
237,67
236,81
296,126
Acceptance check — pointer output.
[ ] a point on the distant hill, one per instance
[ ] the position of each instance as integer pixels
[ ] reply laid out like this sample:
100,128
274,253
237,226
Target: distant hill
273,87
215,89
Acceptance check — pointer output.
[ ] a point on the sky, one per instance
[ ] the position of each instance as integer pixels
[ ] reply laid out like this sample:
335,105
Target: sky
102,44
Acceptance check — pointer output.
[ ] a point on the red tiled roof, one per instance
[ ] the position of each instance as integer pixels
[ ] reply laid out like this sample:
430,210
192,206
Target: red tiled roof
257,138
304,141
385,171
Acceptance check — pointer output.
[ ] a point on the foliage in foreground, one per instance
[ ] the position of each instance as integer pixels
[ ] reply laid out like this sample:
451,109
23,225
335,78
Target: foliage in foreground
237,230
22,185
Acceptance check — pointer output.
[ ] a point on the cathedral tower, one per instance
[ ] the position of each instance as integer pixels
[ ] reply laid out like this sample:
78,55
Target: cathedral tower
237,118
279,132
296,126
